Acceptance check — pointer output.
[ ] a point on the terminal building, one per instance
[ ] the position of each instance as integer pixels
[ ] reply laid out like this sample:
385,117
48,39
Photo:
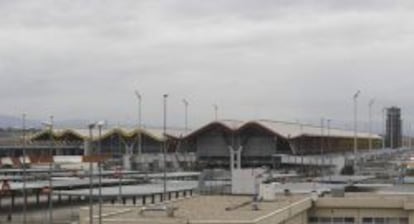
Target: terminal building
209,146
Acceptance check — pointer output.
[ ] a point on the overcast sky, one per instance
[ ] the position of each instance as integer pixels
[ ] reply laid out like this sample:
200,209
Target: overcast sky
279,59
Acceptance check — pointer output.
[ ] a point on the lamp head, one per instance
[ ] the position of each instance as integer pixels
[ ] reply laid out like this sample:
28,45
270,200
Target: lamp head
137,94
92,125
357,94
100,124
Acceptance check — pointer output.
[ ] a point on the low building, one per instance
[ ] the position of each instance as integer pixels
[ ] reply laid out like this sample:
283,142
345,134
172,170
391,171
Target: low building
352,208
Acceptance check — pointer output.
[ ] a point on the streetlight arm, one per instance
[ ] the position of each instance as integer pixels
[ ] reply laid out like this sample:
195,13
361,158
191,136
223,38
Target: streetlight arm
137,94
357,94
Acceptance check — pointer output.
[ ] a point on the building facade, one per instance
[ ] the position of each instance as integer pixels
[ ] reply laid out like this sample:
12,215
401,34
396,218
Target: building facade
393,137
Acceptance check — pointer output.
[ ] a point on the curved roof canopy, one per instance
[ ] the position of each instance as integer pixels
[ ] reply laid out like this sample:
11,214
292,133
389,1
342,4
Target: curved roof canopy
85,134
284,129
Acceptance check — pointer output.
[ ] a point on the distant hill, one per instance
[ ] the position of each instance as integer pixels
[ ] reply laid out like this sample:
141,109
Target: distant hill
16,122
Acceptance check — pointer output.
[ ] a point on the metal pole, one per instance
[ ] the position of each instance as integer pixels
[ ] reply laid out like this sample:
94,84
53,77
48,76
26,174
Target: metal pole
165,96
328,123
120,184
215,111
100,172
391,118
322,149
383,128
24,170
409,136
91,126
371,102
139,97
355,129
185,115
50,172
300,147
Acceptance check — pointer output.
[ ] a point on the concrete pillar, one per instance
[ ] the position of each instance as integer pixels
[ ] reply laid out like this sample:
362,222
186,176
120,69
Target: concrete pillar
88,148
38,198
144,199
239,160
153,199
134,200
231,158
411,217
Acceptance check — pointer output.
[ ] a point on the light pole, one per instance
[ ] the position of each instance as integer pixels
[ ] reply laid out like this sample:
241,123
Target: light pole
100,124
383,128
215,111
165,97
409,136
91,127
24,168
328,134
371,102
139,97
185,102
50,195
355,98
322,146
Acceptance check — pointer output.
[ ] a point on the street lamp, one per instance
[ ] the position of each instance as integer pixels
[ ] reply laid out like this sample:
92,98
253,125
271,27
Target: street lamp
185,102
90,152
50,208
100,125
165,97
139,97
371,102
24,168
355,97
328,134
322,146
383,128
215,111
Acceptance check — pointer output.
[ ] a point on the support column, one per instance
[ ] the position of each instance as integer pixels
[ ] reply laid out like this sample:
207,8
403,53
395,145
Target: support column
231,158
239,153
411,217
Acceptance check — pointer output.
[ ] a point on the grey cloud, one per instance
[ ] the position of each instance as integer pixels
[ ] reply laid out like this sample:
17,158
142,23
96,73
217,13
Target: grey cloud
282,60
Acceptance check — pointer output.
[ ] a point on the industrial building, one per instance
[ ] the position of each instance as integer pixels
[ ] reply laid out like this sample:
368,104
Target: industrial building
393,137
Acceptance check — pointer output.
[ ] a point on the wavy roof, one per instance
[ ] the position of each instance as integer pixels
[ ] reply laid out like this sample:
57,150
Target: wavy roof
156,134
284,129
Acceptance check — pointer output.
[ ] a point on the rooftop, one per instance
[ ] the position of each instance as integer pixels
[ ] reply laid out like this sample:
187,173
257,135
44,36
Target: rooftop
216,209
